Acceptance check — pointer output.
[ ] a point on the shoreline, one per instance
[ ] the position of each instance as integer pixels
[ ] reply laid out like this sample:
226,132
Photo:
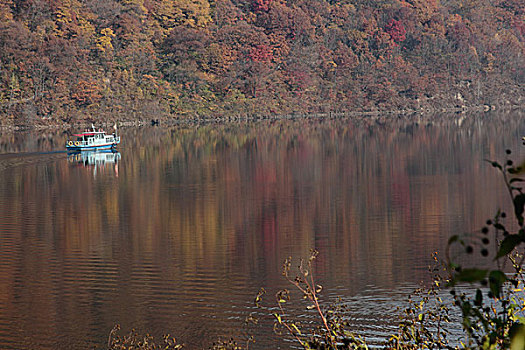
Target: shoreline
173,121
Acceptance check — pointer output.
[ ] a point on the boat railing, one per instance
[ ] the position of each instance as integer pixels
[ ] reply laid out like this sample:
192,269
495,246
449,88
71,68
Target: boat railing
81,143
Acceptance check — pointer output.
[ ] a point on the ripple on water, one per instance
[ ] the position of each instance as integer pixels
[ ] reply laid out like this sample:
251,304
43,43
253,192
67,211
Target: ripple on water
181,241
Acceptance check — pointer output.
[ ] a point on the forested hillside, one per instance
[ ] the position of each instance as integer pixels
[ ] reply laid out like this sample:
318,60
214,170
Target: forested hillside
68,60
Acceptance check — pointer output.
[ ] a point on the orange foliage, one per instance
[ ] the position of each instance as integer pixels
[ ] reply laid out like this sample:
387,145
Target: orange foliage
204,52
86,93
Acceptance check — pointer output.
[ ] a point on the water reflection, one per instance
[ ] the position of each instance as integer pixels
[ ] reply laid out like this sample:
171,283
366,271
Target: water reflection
201,216
97,160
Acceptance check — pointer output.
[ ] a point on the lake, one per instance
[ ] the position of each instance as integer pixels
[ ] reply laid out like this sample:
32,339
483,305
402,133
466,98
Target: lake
178,231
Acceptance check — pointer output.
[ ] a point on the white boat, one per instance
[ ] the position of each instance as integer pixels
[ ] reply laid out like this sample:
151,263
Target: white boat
93,140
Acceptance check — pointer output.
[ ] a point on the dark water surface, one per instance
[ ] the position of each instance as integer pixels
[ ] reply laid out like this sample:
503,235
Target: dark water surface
178,232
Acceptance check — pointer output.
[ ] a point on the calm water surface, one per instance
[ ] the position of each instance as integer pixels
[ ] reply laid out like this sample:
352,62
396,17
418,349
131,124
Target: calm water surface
178,232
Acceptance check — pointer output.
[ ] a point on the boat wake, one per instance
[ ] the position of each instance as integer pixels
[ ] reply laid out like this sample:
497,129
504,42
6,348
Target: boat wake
10,160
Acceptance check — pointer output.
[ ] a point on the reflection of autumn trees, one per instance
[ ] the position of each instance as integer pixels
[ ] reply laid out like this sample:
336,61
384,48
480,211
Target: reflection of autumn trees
220,186
328,184
202,214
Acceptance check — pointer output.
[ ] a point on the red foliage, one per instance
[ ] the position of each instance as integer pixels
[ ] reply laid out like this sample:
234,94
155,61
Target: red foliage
519,26
261,53
299,81
261,5
324,50
459,36
396,30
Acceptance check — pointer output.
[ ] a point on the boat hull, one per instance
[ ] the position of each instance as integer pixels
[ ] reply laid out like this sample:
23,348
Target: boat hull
91,148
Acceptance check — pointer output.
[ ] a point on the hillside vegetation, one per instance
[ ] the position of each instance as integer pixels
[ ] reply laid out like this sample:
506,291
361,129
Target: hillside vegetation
71,60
